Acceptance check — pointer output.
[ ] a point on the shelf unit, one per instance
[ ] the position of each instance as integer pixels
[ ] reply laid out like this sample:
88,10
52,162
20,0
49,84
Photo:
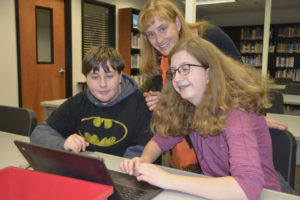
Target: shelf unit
284,48
129,41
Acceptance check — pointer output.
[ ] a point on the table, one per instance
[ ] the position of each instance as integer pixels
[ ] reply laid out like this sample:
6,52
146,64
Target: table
291,99
51,105
10,156
293,123
277,87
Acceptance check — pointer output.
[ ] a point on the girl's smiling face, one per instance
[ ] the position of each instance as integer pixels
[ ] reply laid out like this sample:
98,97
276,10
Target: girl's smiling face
192,85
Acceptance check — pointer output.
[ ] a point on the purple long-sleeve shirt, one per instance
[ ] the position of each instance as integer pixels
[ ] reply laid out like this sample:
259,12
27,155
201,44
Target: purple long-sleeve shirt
243,151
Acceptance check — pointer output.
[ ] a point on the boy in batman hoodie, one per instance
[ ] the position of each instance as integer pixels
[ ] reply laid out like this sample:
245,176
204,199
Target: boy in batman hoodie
109,117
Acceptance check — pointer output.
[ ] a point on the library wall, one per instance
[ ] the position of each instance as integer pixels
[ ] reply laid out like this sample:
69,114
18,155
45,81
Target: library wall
253,18
284,48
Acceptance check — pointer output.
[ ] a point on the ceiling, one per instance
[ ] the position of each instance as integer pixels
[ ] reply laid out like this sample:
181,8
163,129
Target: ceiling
240,6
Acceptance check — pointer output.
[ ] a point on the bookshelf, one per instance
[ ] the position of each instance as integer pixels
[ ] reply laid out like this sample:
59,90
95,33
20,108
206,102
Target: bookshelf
284,48
129,41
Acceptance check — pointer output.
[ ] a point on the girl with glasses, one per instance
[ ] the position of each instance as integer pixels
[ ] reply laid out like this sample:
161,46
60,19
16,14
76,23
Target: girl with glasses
219,104
162,26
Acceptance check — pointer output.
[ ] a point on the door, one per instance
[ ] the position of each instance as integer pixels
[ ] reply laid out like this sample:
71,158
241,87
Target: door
42,52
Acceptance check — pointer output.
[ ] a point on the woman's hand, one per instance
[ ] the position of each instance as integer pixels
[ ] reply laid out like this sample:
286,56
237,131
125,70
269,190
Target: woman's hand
151,99
75,143
275,124
128,165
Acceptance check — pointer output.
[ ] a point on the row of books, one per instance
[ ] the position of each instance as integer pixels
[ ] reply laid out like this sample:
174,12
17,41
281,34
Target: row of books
293,74
257,47
255,60
291,47
135,40
284,61
252,33
135,61
289,32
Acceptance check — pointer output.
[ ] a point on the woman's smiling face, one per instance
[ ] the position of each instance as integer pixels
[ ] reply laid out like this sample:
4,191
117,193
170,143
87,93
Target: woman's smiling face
163,35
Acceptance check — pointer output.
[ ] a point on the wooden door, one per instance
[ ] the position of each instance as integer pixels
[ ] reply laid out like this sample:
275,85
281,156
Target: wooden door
41,81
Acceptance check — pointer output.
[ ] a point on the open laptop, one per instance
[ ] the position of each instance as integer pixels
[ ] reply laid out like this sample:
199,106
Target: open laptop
87,168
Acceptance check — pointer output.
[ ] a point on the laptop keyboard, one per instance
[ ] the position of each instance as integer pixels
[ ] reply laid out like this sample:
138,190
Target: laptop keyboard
130,193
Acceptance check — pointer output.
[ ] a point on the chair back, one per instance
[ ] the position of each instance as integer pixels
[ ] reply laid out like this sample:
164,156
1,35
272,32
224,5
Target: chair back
283,81
292,88
276,99
284,154
17,120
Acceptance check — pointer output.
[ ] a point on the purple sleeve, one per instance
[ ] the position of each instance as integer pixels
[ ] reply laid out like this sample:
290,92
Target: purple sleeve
166,143
244,157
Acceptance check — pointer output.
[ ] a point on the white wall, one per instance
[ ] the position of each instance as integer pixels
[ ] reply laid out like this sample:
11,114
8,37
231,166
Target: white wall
76,34
76,45
254,18
8,55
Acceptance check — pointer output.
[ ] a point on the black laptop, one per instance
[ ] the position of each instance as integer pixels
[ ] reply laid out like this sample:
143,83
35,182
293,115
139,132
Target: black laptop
87,168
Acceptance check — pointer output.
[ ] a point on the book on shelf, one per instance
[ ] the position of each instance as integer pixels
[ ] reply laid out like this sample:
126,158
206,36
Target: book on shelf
255,60
134,20
293,74
252,33
135,40
289,32
139,79
135,61
290,47
285,61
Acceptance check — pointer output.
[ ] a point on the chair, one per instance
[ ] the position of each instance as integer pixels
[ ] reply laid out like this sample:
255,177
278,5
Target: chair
283,81
17,120
284,154
292,88
276,98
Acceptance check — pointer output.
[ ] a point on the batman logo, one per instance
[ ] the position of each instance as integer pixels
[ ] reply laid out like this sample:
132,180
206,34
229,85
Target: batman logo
105,141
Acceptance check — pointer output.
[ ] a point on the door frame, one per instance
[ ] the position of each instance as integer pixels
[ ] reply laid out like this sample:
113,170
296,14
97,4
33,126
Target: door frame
68,50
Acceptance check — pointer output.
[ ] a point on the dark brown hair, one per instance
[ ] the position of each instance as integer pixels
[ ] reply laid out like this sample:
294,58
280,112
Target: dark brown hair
99,56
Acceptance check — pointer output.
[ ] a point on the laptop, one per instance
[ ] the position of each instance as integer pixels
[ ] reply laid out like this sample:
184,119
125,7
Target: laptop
86,168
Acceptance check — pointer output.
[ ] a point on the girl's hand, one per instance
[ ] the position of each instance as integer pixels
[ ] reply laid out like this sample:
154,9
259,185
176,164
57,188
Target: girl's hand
128,165
151,99
272,123
153,175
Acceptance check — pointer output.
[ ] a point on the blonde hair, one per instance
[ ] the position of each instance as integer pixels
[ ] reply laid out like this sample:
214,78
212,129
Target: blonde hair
231,85
200,27
163,10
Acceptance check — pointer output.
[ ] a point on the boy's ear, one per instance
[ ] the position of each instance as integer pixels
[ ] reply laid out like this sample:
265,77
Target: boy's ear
120,77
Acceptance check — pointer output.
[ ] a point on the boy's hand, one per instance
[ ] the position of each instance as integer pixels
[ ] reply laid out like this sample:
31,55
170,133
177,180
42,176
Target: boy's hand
75,143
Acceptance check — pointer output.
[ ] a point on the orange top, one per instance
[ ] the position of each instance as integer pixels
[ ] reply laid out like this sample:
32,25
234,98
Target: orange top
164,64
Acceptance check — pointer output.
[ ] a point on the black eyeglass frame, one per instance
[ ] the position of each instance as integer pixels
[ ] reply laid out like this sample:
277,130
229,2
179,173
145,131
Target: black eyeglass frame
171,73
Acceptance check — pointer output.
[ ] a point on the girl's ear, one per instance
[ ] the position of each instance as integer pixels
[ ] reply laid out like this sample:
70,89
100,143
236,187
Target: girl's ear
207,75
178,23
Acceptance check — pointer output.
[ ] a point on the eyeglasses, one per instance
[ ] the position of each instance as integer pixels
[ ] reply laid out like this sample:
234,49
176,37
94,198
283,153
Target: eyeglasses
183,70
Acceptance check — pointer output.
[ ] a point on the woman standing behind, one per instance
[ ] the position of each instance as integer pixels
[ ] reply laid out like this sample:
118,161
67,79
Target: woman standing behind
219,104
162,26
